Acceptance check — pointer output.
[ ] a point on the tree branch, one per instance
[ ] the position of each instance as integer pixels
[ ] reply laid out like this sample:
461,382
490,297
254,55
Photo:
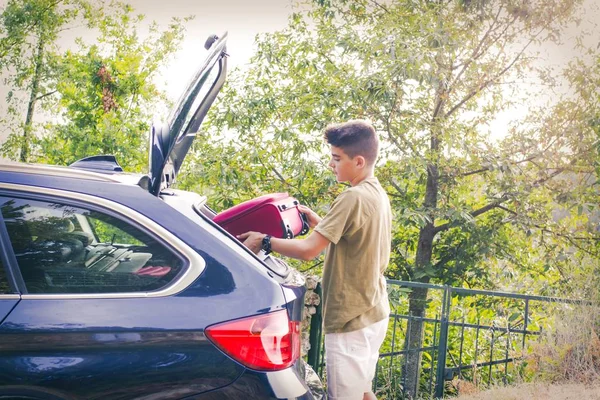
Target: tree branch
316,264
377,4
474,214
485,84
281,178
476,54
508,210
484,169
45,95
478,171
393,138
395,186
571,239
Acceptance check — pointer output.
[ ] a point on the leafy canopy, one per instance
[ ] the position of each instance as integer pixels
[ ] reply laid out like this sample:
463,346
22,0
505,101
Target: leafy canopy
432,77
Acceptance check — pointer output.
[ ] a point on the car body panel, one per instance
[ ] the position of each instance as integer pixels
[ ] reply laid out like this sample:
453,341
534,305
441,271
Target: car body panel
289,384
113,348
7,303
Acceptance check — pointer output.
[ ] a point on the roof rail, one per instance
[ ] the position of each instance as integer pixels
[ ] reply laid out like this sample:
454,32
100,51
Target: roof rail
55,170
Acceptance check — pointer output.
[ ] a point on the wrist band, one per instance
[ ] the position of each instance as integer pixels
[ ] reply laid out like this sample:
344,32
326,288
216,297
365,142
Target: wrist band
266,244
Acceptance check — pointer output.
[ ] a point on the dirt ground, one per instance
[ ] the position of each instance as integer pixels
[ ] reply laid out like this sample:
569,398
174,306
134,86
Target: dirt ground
537,392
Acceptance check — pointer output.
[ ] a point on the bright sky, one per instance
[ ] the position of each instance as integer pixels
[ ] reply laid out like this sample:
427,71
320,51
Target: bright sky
242,19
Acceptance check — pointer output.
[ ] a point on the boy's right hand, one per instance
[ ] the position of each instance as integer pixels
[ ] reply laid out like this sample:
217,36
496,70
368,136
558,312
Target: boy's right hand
312,217
252,240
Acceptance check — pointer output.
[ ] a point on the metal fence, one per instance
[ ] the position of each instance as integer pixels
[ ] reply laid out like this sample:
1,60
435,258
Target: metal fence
470,337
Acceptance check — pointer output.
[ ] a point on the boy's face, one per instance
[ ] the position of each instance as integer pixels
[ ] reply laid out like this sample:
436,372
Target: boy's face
344,167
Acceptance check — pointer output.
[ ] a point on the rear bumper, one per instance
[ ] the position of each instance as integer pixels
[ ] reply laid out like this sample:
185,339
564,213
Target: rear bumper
299,382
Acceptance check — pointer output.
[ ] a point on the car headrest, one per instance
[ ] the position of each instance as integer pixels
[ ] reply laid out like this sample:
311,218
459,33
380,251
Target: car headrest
51,226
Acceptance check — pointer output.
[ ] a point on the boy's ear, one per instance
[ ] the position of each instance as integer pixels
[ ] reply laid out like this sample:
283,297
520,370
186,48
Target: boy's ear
360,161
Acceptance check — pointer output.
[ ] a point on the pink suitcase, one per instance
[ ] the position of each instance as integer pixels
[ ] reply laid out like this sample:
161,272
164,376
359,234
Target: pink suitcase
275,214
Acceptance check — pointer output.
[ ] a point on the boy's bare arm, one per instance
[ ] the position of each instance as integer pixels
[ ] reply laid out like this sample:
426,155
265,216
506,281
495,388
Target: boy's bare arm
302,249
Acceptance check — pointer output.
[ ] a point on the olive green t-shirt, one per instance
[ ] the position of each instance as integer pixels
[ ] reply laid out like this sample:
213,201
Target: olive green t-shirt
359,227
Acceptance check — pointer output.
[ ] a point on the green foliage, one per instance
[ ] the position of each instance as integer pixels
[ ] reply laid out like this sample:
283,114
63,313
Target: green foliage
107,92
101,96
109,233
28,33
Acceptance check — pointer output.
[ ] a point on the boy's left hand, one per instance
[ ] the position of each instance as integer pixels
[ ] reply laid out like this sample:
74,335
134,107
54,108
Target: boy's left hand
252,240
311,216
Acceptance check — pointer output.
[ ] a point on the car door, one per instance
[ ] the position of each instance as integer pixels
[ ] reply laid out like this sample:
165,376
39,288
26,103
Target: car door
98,318
9,296
170,142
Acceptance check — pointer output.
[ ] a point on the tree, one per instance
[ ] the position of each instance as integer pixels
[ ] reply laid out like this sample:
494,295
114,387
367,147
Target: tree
100,97
107,94
432,76
29,30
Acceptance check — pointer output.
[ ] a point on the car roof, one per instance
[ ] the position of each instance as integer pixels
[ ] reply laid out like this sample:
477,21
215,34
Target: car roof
72,172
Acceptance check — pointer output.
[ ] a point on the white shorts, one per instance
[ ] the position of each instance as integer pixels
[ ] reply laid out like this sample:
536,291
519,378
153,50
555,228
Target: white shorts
351,358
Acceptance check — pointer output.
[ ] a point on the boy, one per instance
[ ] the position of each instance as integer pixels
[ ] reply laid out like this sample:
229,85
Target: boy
357,234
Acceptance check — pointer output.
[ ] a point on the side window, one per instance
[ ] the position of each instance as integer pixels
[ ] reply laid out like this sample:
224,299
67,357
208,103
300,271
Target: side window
65,249
4,285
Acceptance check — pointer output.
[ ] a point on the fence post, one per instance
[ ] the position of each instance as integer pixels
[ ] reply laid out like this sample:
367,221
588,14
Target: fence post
443,345
314,338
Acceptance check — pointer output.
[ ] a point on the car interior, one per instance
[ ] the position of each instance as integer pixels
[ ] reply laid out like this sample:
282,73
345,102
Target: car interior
55,255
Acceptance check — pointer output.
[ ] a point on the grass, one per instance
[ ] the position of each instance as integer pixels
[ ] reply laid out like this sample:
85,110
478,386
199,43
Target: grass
538,391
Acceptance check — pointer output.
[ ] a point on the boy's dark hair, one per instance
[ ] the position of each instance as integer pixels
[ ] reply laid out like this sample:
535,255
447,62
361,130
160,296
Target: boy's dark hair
355,137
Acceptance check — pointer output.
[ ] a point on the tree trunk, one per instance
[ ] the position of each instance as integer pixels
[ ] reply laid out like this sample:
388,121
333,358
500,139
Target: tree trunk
418,297
35,84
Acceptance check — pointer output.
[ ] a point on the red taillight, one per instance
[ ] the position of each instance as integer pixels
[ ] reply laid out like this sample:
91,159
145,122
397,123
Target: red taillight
264,342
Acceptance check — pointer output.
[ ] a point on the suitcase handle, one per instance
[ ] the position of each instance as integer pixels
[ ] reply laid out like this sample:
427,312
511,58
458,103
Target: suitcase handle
305,226
283,207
